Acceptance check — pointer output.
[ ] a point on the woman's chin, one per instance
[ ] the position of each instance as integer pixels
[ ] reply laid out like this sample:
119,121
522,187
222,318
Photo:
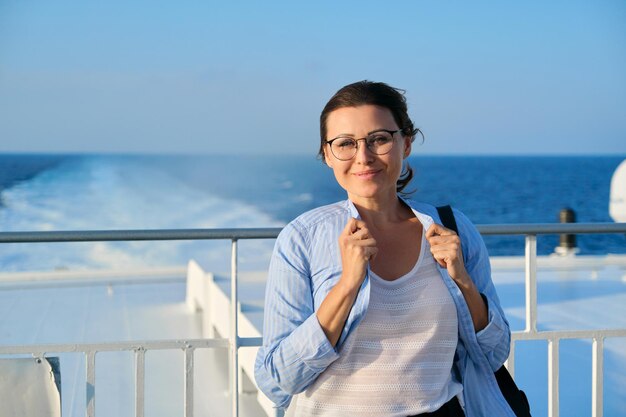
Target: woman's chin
369,192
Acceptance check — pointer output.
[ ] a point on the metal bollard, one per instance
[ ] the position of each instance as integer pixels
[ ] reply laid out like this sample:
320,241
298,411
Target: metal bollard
567,242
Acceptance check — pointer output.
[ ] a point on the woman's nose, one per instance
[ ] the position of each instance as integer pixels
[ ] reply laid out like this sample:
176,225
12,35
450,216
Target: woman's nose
363,153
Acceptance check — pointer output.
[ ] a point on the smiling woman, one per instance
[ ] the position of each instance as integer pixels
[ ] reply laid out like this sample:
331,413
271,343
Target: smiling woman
373,169
389,101
372,307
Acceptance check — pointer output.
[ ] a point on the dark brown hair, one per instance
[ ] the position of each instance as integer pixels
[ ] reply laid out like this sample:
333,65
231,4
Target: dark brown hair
378,94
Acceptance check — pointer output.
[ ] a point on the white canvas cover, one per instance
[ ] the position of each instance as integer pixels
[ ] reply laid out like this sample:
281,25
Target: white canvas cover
28,388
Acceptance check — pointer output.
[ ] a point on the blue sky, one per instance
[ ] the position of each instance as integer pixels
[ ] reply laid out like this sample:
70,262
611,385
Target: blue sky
228,77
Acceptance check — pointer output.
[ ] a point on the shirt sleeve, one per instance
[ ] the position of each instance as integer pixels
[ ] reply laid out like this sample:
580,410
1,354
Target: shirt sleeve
295,348
495,338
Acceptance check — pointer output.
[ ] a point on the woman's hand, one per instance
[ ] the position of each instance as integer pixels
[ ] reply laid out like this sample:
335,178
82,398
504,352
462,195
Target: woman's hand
357,247
445,245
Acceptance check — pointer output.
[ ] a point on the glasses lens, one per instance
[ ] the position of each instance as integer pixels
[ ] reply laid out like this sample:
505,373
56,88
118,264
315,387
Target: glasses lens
380,143
344,148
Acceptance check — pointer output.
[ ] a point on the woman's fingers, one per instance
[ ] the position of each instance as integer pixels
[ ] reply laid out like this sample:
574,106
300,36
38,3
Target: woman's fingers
357,248
438,230
368,247
361,246
440,258
356,230
450,245
439,235
356,240
444,254
354,225
445,246
360,234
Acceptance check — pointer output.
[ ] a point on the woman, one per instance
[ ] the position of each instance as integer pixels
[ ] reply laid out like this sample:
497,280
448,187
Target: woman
372,308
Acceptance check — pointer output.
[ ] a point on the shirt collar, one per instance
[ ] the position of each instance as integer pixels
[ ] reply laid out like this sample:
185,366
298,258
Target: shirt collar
352,209
424,218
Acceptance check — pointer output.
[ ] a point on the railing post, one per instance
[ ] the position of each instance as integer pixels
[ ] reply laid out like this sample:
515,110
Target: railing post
597,377
189,368
90,368
553,378
234,333
510,362
140,373
531,283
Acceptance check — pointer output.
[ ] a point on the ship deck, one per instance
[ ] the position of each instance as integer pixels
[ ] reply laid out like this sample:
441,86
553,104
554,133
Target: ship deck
99,307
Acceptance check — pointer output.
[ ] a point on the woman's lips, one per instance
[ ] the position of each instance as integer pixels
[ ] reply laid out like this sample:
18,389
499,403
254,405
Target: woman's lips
366,175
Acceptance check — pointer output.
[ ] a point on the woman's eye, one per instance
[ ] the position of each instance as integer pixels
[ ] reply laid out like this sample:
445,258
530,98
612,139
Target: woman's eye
379,139
345,143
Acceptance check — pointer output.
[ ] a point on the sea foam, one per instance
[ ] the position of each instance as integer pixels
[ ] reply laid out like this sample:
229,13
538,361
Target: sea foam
105,193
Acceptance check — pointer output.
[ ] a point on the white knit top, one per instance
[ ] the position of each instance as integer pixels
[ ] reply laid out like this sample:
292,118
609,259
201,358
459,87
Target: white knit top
398,362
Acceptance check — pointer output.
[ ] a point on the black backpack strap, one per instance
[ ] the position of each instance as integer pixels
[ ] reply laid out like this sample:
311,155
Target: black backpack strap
447,218
512,394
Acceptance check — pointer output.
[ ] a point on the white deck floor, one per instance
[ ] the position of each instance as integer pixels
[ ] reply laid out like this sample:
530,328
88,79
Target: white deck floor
98,312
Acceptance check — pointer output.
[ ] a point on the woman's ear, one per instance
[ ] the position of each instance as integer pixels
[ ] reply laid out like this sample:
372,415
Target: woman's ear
327,159
408,141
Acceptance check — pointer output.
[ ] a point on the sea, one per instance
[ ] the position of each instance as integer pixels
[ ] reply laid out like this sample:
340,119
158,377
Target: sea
41,192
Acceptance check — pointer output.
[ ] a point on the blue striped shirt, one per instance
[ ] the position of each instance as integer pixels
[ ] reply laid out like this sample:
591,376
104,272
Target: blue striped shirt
306,264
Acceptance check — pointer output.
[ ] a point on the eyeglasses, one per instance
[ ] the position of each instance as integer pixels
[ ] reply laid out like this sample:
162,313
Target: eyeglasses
379,142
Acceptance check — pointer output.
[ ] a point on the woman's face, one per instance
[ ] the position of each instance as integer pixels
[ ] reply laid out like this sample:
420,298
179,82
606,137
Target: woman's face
367,175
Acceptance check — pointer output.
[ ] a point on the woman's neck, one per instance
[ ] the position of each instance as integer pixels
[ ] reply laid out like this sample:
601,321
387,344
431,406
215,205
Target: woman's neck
378,213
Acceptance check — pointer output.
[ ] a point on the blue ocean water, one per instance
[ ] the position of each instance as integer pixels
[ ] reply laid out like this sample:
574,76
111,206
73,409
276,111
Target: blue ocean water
64,192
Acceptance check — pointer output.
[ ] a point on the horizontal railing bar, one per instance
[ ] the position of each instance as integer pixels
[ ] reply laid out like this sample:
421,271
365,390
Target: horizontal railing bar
550,228
250,341
553,263
257,341
80,278
114,346
568,334
159,273
128,235
270,233
27,284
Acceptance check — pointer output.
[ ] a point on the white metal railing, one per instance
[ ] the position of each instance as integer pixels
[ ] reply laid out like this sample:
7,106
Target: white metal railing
554,337
234,342
89,350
